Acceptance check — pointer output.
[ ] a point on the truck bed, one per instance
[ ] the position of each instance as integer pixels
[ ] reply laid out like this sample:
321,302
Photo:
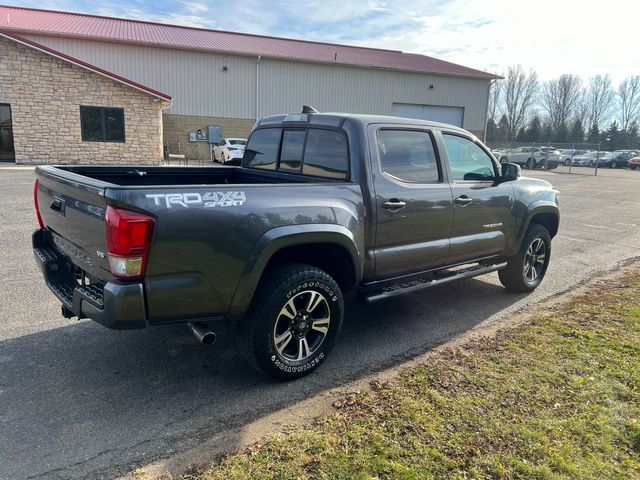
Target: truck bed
208,221
125,176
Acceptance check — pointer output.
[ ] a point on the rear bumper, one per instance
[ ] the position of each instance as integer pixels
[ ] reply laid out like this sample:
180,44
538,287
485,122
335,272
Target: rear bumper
118,306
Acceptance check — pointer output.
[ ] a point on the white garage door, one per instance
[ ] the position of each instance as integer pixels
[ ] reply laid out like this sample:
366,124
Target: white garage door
450,115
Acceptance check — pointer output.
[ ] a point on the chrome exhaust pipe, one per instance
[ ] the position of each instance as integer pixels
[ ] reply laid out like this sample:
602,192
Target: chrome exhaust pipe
202,332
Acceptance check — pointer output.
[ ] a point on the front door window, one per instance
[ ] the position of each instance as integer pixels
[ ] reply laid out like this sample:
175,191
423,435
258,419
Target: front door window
6,134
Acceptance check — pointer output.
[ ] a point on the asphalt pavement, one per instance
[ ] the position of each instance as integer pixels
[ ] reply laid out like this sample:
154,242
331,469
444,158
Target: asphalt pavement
80,401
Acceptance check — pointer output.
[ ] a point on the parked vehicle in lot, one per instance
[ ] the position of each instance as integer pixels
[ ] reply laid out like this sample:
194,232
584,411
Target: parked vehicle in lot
229,150
321,205
569,156
500,154
617,159
634,163
586,159
535,157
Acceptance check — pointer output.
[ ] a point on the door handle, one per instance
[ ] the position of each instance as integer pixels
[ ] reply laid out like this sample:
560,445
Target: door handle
464,200
394,204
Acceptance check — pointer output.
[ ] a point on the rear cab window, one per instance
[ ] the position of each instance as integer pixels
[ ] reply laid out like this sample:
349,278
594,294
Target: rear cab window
310,151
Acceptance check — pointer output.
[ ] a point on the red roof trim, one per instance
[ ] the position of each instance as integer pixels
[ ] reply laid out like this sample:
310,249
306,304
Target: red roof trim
201,29
25,21
85,65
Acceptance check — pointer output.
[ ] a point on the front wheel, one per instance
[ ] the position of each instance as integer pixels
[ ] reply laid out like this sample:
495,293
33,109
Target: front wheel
293,322
567,162
526,269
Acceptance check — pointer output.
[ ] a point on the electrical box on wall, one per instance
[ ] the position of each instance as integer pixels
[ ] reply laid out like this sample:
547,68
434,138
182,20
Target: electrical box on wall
199,136
215,133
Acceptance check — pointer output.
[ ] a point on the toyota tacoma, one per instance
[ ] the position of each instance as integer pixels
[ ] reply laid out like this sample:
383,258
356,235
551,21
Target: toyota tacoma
322,204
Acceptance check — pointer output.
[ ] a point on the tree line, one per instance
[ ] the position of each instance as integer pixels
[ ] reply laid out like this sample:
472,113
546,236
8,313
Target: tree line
564,110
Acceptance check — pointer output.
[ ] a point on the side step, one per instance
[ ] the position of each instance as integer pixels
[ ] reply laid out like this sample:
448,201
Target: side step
439,278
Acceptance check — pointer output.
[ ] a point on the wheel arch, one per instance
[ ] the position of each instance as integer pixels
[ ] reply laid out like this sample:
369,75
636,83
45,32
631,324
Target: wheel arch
542,212
331,248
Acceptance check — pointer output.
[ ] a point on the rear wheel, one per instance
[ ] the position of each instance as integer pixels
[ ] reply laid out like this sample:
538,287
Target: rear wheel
293,322
614,164
526,269
567,162
531,163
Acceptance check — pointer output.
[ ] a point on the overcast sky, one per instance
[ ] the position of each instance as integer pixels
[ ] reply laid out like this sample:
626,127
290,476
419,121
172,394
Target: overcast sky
553,36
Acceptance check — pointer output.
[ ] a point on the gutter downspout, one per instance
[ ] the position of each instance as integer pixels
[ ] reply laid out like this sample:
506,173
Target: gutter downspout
161,110
258,86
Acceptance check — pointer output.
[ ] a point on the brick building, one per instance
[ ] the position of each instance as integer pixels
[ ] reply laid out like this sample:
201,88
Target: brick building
214,77
65,111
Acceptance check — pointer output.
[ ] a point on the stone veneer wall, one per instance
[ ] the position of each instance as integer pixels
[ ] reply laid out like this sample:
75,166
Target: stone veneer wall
45,94
177,128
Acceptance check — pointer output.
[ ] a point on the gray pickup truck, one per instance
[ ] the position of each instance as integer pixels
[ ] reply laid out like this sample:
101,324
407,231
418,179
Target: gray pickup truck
321,205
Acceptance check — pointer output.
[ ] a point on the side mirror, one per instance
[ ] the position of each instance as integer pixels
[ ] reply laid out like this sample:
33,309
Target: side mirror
510,171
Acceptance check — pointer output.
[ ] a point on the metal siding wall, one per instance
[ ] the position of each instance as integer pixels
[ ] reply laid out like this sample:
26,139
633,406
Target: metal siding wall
199,86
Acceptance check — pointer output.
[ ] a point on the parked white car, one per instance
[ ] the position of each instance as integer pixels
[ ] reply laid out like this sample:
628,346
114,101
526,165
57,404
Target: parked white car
229,150
535,157
569,155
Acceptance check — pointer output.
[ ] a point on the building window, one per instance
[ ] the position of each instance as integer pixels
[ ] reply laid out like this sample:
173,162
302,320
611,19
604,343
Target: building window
101,124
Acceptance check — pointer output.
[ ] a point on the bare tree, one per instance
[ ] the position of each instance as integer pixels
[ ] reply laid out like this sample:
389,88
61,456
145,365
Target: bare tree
560,98
495,96
520,90
598,101
629,97
581,110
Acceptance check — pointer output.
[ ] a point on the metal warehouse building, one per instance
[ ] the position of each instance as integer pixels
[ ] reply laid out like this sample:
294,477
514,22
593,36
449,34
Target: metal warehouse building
197,78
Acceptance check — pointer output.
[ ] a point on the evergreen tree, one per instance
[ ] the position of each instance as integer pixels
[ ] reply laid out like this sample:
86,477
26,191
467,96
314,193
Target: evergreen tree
534,131
561,134
611,137
547,133
594,134
633,136
522,135
576,135
503,129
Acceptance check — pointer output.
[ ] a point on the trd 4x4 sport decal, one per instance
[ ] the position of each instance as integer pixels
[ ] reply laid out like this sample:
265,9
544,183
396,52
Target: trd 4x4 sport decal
206,200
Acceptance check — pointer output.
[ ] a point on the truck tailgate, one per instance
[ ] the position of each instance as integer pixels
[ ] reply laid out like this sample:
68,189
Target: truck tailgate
72,208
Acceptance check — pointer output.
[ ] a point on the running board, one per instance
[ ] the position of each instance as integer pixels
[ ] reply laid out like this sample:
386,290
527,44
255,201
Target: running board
420,284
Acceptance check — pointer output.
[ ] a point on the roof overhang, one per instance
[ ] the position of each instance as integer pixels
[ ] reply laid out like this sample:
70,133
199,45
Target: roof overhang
82,64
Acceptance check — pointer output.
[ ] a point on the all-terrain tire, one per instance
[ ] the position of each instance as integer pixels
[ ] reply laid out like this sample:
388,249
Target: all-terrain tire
516,277
283,291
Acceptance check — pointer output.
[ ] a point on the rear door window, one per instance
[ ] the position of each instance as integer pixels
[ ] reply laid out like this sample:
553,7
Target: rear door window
408,155
263,147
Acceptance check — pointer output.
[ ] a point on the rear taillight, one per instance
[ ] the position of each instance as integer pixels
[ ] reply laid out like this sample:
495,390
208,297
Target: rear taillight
128,237
35,203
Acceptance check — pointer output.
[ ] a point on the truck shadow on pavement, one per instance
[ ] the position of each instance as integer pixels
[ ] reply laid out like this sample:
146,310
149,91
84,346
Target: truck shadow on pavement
84,401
